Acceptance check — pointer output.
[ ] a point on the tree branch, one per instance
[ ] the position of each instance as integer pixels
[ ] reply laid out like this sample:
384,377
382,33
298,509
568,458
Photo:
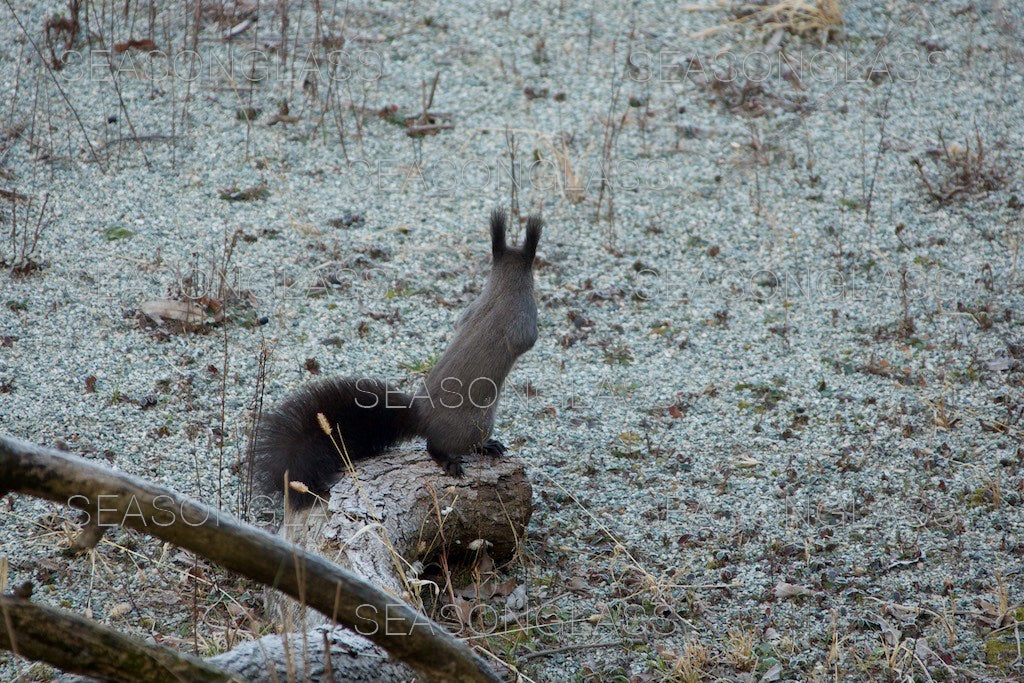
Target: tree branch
113,498
76,644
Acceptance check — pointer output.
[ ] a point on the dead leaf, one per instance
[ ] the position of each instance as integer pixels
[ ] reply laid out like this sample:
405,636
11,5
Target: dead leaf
238,612
185,312
485,563
905,614
239,28
119,610
517,599
144,44
505,588
999,365
772,674
578,584
889,634
907,562
482,590
463,610
784,591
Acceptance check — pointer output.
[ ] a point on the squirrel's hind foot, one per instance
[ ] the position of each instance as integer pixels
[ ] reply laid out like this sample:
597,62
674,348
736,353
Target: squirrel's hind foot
491,447
454,467
451,464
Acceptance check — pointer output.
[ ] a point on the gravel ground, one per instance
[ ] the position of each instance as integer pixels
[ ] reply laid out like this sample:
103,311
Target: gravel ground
774,418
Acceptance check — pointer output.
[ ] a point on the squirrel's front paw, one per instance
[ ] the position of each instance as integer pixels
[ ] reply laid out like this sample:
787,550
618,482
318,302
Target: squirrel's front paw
492,447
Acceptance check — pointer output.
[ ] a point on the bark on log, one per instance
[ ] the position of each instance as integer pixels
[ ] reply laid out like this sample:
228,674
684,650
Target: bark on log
400,508
323,654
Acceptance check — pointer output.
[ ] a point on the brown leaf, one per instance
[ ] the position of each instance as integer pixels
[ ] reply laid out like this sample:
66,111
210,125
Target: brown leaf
485,564
578,584
482,590
463,610
505,588
144,44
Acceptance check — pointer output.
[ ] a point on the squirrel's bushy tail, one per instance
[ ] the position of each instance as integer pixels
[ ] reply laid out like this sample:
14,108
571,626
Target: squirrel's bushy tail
365,416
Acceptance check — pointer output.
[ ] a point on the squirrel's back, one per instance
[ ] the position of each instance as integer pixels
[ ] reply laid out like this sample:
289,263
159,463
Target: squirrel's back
457,401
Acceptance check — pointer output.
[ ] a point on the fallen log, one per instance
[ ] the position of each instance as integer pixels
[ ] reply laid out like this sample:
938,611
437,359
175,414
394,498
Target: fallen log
399,509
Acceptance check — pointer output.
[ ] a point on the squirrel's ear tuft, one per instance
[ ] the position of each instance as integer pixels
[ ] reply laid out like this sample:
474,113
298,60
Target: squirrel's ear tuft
534,224
498,221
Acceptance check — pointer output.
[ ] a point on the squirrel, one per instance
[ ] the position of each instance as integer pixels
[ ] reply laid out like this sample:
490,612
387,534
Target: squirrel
453,408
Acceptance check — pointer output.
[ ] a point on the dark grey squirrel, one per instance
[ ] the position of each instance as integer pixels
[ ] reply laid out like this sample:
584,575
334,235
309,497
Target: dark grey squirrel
453,408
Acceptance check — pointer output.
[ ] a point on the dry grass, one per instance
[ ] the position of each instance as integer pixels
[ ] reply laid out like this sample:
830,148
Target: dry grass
692,665
740,653
798,17
737,93
20,230
963,171
570,185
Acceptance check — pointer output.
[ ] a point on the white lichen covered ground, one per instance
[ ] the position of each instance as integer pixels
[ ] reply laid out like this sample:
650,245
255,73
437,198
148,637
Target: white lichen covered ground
774,418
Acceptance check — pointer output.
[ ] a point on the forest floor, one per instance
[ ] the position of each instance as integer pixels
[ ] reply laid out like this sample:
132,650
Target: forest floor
774,419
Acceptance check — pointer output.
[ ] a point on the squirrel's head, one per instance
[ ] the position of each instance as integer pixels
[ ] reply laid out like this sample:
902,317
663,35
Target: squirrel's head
514,258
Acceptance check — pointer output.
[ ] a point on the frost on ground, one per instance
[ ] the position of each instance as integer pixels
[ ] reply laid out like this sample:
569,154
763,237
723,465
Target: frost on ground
774,419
